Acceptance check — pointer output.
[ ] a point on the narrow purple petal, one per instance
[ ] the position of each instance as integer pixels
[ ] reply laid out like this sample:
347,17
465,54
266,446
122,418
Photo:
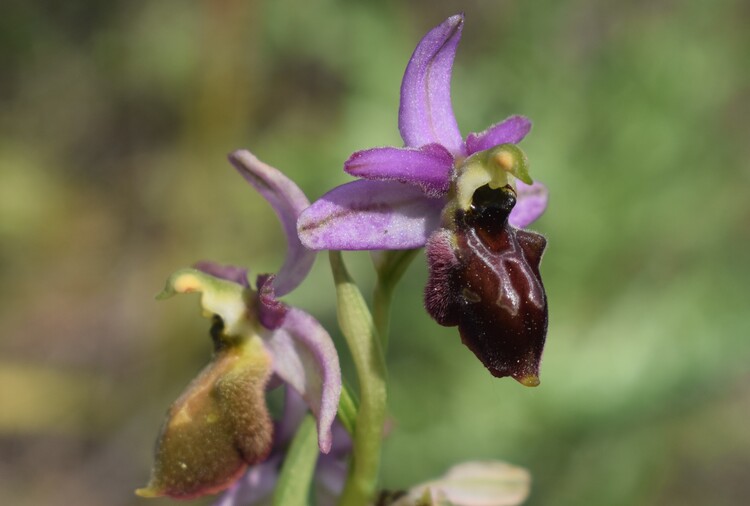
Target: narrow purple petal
228,272
288,201
271,311
510,131
257,484
531,203
364,215
305,358
428,167
425,114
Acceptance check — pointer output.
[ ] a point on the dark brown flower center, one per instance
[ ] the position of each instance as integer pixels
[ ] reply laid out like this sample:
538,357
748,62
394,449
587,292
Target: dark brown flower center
490,208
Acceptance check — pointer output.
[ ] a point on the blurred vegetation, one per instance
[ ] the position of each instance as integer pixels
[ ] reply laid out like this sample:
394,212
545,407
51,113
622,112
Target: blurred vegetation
116,117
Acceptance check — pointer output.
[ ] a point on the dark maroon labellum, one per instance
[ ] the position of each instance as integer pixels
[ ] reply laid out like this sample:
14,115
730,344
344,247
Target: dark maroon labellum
484,277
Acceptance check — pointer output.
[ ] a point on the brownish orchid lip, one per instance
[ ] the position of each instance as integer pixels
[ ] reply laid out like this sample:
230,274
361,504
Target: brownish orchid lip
528,381
217,427
484,278
151,493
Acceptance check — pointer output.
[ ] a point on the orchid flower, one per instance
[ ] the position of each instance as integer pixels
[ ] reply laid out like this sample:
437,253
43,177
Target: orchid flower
220,425
455,196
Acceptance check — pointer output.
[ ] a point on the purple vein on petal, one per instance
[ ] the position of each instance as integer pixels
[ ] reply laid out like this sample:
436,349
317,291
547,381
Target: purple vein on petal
428,167
366,215
425,113
509,131
288,201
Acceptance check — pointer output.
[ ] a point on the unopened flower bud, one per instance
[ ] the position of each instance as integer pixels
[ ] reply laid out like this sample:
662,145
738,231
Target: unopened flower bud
489,483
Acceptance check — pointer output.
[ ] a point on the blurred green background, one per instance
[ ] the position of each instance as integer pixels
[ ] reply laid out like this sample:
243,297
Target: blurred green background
115,118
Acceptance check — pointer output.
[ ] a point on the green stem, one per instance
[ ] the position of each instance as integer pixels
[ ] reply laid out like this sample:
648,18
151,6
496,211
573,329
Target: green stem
361,336
390,270
348,406
293,487
381,310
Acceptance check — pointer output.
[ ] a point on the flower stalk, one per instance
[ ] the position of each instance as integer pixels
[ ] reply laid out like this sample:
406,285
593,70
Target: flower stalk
293,487
390,266
359,330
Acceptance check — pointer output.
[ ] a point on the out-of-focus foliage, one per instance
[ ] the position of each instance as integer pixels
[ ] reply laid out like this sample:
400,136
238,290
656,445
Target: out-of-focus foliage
116,117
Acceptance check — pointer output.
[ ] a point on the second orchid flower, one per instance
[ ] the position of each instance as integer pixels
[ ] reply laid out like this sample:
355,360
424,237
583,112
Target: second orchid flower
465,199
220,425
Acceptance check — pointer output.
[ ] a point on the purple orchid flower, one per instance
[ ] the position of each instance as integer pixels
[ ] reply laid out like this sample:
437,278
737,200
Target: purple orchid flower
220,425
456,197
